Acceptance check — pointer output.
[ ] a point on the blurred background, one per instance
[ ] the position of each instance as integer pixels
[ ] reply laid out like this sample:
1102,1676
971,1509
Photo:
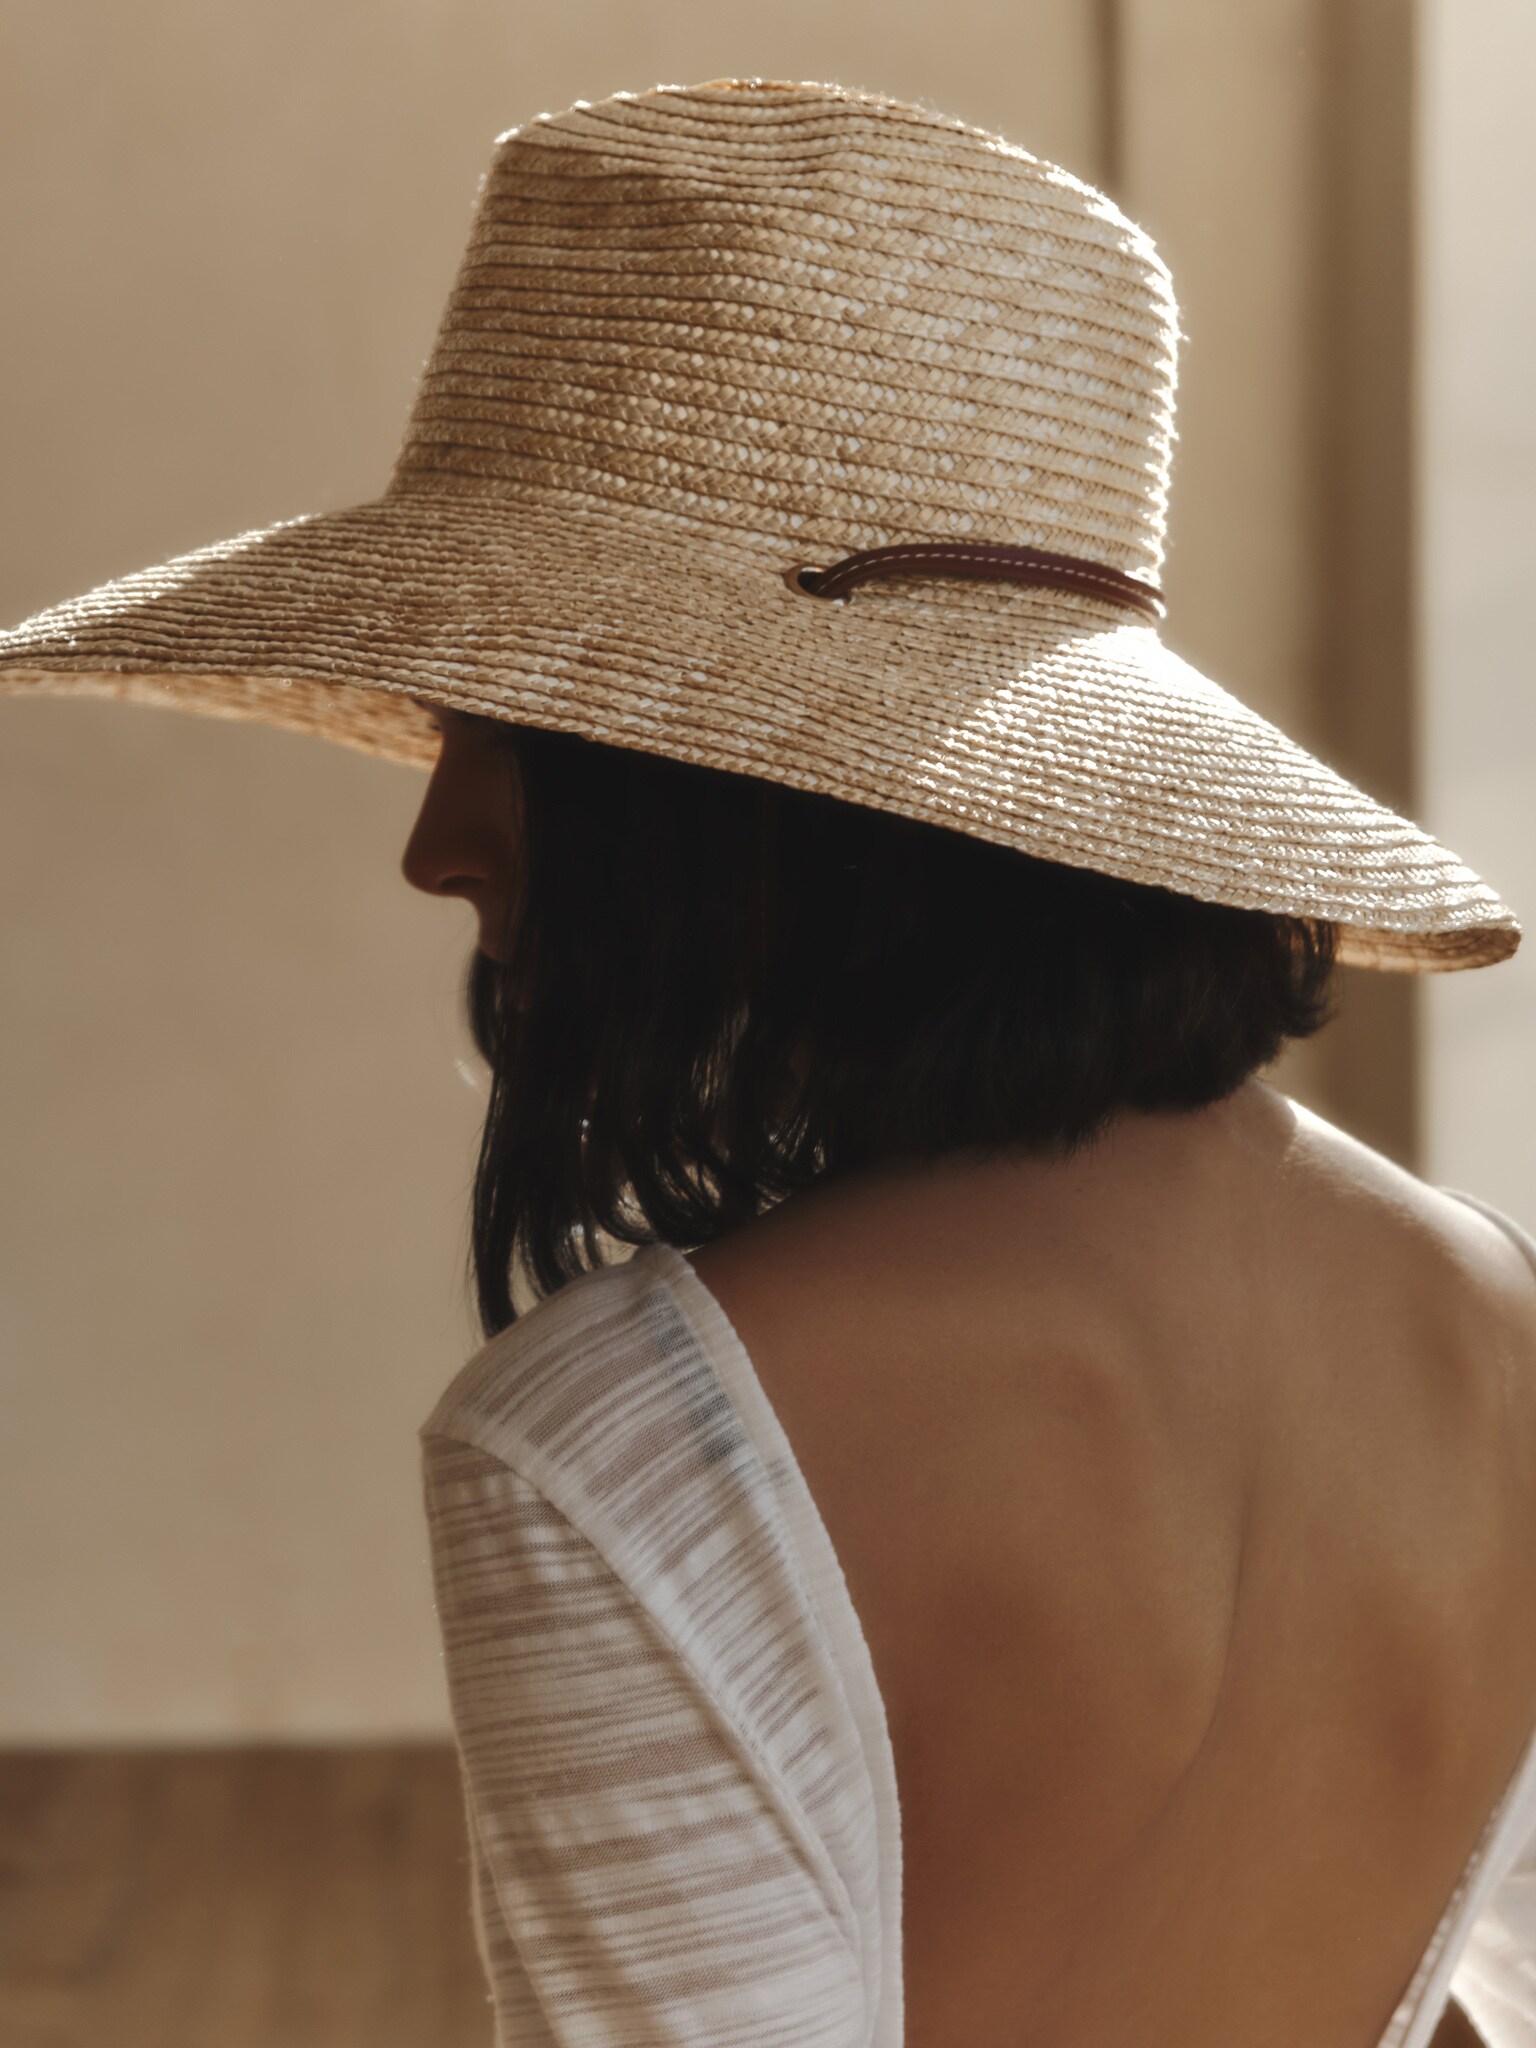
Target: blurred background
236,1118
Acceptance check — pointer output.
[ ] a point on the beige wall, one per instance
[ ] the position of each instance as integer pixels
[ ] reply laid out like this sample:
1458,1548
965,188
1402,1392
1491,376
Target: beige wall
1477,558
235,1147
236,1140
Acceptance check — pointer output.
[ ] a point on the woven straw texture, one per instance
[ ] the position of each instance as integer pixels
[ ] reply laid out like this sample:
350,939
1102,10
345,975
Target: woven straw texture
701,335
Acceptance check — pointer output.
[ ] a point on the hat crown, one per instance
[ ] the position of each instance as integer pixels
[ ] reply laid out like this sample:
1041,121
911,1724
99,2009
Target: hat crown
812,316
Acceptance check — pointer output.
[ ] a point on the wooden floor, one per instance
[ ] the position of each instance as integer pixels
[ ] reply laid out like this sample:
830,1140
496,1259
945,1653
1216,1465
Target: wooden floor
255,1898
263,1898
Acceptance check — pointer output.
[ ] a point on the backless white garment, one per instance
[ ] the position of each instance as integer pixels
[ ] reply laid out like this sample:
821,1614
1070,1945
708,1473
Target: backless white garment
678,1780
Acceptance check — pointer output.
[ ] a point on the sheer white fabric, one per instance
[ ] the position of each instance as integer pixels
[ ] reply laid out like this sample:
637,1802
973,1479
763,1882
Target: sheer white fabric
679,1788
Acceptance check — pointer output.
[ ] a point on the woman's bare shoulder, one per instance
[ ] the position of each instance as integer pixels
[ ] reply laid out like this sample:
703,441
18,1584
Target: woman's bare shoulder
1258,1154
1349,1177
1256,1215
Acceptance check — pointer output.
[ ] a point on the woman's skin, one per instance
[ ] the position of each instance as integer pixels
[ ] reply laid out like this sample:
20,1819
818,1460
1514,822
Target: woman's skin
1186,1490
464,841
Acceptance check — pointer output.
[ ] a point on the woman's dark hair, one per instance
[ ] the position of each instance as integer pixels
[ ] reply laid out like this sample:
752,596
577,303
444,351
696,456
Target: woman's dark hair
717,991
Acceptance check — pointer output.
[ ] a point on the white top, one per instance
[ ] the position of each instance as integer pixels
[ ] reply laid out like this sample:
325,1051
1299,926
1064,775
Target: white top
678,1780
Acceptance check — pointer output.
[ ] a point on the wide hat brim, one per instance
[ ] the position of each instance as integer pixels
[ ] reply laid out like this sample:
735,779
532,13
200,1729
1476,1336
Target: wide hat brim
1049,721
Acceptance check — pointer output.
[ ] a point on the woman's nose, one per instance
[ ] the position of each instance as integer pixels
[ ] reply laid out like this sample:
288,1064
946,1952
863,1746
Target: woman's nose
445,855
464,841
441,863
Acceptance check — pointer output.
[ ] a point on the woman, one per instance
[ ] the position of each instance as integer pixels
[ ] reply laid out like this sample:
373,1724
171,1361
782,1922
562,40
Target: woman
1013,1400
1175,1477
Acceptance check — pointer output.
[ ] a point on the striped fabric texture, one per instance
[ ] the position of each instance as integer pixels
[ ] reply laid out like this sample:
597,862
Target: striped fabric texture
679,1787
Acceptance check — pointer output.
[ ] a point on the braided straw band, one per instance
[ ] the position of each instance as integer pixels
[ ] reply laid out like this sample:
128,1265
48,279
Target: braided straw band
993,560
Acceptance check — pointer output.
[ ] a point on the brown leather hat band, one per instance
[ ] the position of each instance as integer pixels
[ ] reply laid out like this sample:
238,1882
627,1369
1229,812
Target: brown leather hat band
992,560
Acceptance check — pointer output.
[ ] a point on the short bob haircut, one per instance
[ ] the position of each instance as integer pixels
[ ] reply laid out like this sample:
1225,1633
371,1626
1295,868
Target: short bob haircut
718,991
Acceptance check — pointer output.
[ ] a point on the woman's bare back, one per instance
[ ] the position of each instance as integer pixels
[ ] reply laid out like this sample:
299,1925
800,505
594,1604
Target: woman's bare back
1186,1490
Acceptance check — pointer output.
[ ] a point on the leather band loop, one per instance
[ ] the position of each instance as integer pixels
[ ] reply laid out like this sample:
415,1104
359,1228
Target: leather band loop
994,561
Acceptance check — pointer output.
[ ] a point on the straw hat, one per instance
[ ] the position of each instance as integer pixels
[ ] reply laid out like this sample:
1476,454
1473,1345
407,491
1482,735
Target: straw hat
704,339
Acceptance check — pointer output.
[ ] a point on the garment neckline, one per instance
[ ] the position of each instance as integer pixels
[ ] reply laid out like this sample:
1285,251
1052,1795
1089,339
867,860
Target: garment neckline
733,1364
1430,1985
